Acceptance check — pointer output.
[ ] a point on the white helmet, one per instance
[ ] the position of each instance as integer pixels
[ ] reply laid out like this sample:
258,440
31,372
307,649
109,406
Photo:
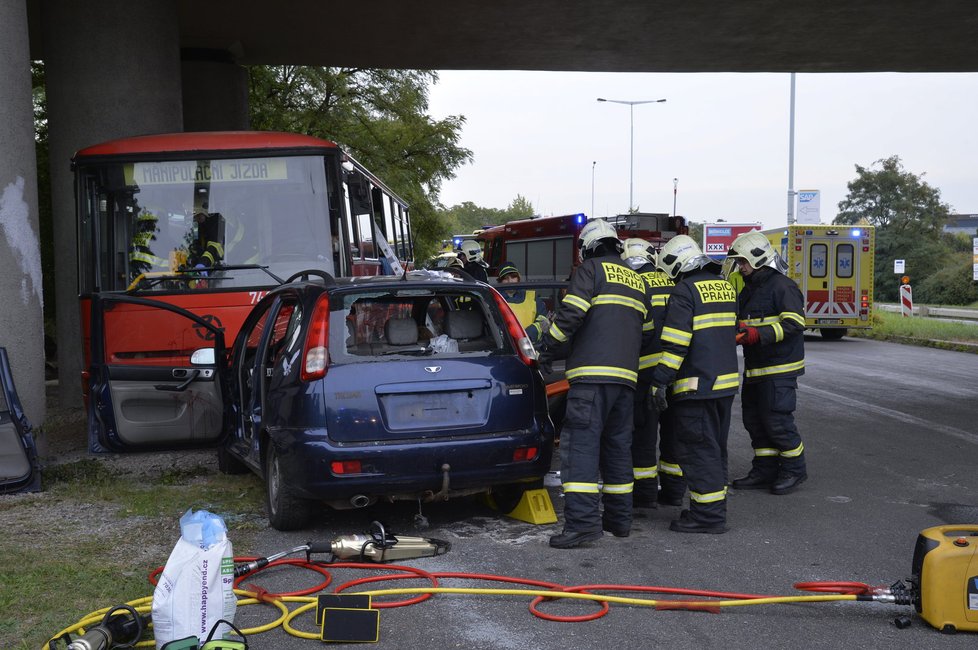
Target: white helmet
753,247
471,250
594,232
681,254
636,247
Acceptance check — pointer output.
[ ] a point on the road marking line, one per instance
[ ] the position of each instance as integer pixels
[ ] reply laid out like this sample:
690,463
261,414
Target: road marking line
954,432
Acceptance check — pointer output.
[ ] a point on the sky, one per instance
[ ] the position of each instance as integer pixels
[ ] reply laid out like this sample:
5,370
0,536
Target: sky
725,137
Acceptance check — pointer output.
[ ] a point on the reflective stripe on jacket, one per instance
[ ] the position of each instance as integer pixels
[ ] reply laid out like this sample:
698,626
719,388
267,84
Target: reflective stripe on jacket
660,286
699,350
773,304
602,317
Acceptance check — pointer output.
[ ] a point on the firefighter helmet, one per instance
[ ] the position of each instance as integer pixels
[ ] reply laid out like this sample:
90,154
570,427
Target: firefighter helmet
471,250
681,254
596,231
753,247
636,247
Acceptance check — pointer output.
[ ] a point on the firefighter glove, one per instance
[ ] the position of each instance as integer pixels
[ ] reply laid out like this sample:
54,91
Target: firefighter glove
545,359
657,398
748,335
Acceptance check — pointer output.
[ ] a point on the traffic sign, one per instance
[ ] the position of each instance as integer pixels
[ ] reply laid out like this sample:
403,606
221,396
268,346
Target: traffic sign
899,266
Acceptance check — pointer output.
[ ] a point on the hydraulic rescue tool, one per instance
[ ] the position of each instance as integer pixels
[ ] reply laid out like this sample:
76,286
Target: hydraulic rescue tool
121,627
376,545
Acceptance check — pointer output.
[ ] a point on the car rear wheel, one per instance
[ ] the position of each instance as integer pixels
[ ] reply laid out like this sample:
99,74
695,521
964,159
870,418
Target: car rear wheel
507,497
227,463
286,509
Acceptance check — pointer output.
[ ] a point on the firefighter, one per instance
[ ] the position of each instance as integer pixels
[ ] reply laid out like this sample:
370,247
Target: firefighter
207,249
474,264
651,427
697,377
142,259
772,316
601,319
529,309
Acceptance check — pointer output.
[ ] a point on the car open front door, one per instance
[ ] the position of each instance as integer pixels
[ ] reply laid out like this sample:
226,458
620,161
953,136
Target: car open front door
158,376
19,468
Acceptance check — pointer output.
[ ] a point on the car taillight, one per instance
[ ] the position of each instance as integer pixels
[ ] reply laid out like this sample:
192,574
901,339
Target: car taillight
315,353
524,453
346,467
523,345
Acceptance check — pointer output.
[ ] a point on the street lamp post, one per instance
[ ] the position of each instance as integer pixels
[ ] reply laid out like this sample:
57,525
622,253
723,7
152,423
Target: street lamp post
592,187
675,190
631,155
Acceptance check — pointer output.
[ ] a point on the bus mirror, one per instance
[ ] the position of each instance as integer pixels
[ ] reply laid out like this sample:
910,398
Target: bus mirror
202,357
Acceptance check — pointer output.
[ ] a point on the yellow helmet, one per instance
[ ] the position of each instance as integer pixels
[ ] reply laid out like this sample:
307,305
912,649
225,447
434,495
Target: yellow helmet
680,255
637,247
753,247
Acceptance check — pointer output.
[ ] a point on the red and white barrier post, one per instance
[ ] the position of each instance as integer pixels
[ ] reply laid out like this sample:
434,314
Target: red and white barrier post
906,297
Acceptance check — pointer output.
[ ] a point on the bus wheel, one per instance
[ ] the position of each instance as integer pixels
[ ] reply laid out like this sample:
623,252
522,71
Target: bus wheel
286,510
833,334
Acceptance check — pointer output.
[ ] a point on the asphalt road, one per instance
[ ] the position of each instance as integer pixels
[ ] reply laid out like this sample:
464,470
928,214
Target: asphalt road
891,436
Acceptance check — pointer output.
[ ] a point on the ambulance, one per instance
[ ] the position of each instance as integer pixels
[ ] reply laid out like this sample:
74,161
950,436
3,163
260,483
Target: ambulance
833,267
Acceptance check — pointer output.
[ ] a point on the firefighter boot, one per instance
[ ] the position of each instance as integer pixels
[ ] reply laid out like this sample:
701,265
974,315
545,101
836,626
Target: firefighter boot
645,494
574,538
761,476
687,524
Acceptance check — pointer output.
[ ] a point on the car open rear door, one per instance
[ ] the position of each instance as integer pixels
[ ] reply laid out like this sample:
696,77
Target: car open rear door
164,391
19,467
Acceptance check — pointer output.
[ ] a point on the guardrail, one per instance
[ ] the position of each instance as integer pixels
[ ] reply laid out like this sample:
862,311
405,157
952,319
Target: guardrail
935,312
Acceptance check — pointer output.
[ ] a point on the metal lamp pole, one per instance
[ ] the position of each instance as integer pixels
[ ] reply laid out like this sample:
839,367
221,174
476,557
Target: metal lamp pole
631,155
592,187
675,189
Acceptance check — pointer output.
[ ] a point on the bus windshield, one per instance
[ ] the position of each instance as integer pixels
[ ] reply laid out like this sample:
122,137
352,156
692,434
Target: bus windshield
182,224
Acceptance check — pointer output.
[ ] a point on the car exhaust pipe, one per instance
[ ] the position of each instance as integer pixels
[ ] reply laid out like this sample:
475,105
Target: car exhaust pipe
360,501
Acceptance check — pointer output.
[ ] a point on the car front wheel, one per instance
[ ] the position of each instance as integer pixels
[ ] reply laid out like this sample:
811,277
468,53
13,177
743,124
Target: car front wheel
286,509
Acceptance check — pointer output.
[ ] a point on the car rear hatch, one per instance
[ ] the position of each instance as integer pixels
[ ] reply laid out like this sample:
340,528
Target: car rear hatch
461,376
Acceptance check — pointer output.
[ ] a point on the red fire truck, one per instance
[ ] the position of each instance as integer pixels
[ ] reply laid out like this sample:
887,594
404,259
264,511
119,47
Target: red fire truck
546,248
179,236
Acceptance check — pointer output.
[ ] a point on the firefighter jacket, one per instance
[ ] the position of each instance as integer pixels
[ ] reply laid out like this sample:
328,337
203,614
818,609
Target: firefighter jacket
773,304
602,317
699,349
660,286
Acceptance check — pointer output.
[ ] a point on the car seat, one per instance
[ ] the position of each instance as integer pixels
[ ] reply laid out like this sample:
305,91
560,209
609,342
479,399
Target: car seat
465,326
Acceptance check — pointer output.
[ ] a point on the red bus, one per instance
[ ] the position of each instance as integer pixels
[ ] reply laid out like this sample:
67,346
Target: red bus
179,235
546,248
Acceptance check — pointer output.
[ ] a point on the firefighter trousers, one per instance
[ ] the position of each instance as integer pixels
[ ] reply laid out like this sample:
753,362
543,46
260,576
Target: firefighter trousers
701,427
595,446
768,408
652,429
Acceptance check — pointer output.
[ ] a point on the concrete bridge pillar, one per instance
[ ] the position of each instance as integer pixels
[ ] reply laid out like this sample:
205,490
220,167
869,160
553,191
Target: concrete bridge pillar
113,70
21,319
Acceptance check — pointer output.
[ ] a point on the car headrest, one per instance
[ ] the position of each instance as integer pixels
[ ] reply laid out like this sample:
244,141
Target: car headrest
401,331
463,324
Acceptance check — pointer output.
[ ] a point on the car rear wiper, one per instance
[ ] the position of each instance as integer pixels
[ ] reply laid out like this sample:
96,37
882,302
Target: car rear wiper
417,352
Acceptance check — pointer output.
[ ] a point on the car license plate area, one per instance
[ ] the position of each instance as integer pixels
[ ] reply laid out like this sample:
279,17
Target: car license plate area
828,321
442,410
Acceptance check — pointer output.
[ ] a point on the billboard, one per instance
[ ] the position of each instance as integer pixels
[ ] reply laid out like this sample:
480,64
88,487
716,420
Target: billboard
717,237
808,207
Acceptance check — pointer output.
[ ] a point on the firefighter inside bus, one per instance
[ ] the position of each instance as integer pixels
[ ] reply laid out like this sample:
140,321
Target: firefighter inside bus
151,242
206,249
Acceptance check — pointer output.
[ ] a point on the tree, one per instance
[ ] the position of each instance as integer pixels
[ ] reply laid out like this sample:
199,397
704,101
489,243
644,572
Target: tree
465,217
891,196
381,117
909,216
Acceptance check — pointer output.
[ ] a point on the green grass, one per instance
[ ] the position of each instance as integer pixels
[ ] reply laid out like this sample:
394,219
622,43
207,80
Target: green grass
90,539
933,332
